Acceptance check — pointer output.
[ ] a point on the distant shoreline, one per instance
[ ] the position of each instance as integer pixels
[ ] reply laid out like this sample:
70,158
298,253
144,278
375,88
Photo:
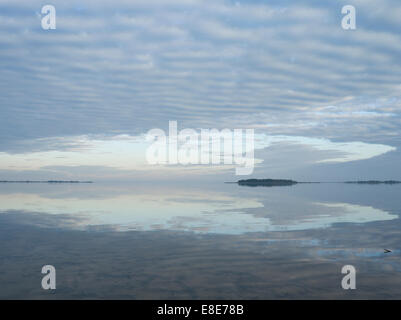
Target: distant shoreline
375,182
266,182
38,181
287,182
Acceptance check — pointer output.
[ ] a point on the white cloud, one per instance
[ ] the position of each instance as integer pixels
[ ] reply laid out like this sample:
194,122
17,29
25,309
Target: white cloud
124,153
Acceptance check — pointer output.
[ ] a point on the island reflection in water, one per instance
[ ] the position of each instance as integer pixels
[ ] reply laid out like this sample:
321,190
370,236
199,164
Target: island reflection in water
179,241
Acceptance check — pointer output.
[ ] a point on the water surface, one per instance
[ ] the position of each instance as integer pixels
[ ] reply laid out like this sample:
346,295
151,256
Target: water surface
148,240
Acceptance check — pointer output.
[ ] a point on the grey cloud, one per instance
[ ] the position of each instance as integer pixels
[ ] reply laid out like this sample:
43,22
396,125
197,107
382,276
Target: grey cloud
128,66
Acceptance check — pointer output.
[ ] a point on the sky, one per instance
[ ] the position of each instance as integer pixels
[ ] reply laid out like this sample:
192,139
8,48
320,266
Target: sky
76,102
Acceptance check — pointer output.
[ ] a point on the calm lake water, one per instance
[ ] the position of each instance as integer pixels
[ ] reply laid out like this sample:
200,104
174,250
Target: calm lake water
207,241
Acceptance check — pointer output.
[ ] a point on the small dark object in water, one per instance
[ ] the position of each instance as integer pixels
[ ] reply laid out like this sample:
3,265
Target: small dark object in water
387,251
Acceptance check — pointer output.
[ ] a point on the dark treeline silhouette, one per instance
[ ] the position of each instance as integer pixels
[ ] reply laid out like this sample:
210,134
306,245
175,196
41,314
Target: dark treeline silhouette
266,182
287,182
48,181
375,182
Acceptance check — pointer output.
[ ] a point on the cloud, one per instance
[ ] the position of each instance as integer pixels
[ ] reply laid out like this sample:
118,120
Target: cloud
341,151
124,157
124,67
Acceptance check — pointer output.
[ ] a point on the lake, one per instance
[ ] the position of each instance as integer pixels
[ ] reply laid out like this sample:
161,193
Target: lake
199,241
